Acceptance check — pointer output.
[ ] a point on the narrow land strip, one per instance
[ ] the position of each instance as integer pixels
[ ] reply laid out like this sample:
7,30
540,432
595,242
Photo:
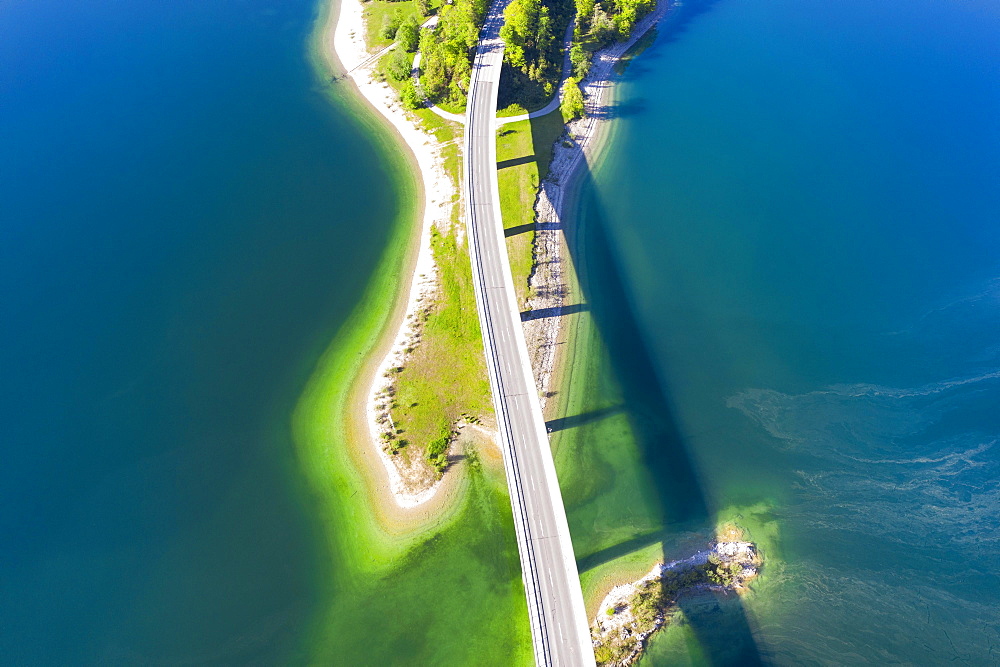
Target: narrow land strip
407,483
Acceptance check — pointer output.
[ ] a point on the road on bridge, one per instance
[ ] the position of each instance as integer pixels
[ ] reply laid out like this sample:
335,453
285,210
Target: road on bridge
559,629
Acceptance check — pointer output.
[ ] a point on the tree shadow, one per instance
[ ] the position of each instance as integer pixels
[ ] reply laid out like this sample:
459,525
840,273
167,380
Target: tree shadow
618,110
678,20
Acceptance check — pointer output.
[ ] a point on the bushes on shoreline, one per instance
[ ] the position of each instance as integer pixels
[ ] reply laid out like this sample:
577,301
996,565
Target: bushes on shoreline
572,100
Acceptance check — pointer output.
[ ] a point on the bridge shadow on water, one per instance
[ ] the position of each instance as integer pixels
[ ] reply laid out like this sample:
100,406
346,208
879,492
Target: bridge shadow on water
719,622
563,423
558,311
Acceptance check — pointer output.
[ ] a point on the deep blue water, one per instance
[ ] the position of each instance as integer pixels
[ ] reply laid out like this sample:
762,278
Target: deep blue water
179,240
803,199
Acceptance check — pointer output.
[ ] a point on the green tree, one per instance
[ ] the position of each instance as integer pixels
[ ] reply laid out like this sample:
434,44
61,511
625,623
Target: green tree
390,22
520,31
408,96
447,50
579,58
572,100
584,10
432,64
408,34
400,64
602,27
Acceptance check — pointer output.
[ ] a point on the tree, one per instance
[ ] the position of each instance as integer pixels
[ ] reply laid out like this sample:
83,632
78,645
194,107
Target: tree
437,453
520,31
400,64
423,7
579,57
408,35
408,96
572,100
602,27
447,50
584,10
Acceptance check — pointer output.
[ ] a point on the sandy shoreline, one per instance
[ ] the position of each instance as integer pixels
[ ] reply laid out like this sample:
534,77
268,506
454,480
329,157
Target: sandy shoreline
343,47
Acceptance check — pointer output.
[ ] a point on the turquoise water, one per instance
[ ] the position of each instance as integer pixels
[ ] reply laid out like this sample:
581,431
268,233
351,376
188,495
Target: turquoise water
800,204
180,241
796,220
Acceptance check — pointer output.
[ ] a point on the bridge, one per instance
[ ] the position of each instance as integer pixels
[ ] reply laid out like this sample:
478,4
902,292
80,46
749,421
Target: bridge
560,631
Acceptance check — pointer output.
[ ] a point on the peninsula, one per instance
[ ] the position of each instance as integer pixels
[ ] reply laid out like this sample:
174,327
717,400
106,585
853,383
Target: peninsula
419,441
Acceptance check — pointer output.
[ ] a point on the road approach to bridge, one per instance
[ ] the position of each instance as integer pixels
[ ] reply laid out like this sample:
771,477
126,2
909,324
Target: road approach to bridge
560,632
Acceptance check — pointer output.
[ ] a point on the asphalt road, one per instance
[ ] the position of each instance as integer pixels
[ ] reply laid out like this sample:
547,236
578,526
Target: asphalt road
559,627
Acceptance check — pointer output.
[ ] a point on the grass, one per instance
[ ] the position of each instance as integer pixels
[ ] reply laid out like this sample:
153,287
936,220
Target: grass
524,153
445,377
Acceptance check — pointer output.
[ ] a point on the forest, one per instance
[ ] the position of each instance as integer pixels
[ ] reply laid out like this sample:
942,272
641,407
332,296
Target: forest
534,32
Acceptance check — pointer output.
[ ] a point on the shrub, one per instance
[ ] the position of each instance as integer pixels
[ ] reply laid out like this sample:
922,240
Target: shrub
390,23
437,452
572,100
409,96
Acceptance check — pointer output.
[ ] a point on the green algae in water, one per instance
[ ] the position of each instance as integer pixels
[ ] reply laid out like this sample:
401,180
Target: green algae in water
449,592
448,595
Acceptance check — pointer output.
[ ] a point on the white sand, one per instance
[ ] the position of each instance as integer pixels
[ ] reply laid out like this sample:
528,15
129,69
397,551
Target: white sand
406,482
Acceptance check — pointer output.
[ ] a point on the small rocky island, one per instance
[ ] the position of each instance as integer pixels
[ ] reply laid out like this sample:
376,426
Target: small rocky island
631,613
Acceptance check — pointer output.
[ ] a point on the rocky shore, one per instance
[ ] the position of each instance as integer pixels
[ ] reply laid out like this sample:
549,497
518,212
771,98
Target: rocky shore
549,286
631,613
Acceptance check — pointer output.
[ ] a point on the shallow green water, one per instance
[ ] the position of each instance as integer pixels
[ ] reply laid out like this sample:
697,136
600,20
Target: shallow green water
792,256
188,221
